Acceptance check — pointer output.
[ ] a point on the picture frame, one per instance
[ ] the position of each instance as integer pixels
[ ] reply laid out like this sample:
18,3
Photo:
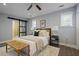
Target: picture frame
42,23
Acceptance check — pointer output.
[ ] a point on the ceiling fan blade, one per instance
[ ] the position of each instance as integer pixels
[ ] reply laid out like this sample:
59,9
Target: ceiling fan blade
30,7
38,7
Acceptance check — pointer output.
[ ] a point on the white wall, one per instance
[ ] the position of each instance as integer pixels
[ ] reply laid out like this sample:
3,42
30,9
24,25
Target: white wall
77,27
29,27
67,34
5,28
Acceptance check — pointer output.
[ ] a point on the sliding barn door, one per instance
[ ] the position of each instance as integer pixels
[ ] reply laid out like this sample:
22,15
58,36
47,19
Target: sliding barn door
22,28
19,28
15,28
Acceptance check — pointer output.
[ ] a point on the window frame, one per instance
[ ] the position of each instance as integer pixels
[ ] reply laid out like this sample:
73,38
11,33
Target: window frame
67,13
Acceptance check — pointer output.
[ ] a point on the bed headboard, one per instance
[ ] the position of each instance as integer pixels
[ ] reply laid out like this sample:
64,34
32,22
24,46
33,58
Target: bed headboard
48,29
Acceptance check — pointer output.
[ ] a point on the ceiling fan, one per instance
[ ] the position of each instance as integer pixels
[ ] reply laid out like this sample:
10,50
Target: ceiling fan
37,6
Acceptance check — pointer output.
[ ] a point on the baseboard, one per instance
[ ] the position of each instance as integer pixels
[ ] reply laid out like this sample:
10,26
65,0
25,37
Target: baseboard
2,42
72,46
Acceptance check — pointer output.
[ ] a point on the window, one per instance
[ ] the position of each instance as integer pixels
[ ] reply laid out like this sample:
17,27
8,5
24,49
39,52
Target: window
66,19
33,24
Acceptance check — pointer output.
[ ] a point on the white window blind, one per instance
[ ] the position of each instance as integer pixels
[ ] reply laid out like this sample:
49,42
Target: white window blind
66,19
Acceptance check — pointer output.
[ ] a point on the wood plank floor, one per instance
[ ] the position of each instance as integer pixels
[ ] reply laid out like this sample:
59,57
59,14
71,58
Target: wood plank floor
67,51
64,51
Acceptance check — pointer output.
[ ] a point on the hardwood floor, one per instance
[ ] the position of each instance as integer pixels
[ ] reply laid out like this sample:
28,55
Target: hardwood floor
64,51
67,51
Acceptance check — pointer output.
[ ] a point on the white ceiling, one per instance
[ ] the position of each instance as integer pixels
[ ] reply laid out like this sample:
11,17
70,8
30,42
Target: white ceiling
20,9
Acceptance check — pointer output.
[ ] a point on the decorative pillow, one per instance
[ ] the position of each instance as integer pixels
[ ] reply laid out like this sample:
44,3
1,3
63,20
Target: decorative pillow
36,33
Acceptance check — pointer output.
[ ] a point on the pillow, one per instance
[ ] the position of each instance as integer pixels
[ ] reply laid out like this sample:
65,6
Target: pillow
44,33
36,33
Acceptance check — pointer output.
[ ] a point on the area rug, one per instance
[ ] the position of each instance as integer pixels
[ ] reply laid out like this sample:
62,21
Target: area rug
48,51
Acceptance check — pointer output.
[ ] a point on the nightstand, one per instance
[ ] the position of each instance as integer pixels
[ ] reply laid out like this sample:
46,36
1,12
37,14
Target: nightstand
54,41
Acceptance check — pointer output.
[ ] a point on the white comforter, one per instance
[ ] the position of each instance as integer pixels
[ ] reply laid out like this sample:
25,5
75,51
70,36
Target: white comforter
28,39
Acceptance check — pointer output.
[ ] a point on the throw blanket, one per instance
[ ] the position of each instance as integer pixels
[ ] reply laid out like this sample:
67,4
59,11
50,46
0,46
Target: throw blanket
39,43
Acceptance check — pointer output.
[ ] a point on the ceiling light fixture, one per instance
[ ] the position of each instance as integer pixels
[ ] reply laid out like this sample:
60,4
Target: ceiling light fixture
4,4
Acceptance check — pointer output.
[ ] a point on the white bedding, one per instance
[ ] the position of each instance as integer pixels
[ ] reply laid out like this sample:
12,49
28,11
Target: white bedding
28,39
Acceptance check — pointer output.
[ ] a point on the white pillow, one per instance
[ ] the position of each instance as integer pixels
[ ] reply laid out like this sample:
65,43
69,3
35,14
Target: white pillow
43,33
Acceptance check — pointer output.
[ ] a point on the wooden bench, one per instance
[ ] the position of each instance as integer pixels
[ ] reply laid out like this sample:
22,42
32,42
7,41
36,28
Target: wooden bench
18,46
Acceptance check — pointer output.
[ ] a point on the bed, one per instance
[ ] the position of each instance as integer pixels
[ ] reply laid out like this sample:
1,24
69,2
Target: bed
37,43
